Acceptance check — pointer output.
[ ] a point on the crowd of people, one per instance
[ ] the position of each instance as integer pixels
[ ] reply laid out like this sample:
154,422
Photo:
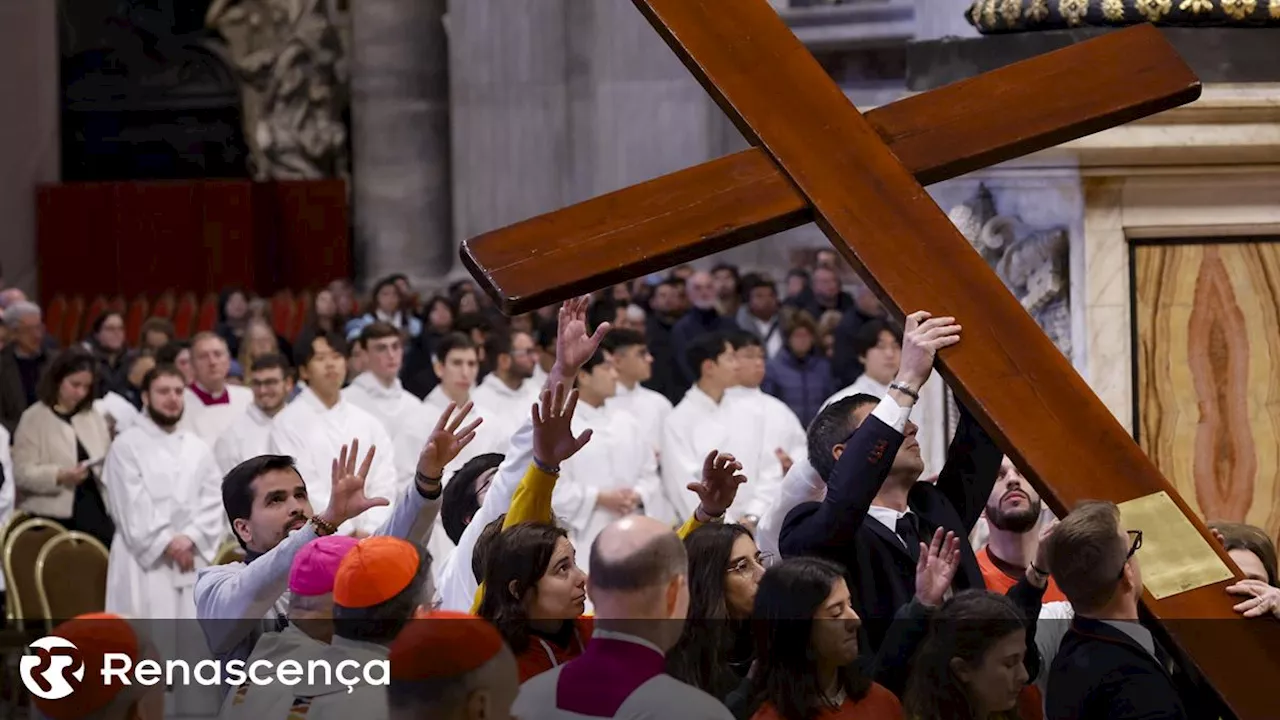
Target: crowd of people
693,495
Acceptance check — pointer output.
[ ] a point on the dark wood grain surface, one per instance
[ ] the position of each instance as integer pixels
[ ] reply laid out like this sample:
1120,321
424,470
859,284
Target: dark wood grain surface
1024,391
743,197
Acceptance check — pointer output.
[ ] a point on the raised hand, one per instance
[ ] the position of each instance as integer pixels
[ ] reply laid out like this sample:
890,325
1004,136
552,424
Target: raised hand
346,497
1041,563
446,441
574,347
721,476
553,440
922,338
936,568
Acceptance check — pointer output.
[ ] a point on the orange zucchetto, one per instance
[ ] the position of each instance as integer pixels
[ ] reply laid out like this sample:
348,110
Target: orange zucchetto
94,635
443,645
374,571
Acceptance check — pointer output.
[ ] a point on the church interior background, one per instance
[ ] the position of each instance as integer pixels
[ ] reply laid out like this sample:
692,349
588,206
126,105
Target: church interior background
214,138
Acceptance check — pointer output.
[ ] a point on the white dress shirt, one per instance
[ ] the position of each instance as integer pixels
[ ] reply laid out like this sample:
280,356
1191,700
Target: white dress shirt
802,484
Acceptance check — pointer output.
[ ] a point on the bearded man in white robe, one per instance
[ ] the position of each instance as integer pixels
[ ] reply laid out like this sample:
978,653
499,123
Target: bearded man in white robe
164,493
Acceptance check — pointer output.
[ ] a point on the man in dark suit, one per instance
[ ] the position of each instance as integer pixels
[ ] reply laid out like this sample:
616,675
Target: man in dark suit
1108,665
21,361
876,512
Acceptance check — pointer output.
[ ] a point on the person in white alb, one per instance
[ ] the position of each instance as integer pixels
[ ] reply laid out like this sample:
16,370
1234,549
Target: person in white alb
456,364
211,402
163,490
271,380
634,364
708,419
776,436
612,475
878,346
315,426
508,391
378,390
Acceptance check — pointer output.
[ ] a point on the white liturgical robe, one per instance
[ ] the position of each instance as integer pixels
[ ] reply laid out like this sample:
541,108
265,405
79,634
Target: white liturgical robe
412,436
159,485
248,436
617,457
736,426
115,406
314,435
774,427
648,408
392,405
509,407
209,421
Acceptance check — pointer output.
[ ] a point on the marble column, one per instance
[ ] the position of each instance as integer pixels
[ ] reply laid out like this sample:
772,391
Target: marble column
943,18
400,139
29,145
508,70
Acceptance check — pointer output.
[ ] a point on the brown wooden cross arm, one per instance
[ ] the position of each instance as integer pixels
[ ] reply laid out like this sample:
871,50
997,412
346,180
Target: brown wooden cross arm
982,121
852,179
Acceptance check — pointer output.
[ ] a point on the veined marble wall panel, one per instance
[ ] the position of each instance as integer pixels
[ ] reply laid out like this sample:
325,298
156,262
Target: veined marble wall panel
1208,359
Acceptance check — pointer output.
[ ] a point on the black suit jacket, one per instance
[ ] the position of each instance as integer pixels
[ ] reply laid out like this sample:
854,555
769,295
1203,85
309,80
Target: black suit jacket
881,574
1101,672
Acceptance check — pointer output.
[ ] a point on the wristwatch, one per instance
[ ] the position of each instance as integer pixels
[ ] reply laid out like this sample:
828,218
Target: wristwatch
905,389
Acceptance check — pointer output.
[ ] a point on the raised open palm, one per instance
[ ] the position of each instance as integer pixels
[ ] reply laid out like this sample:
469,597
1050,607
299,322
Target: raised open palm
718,488
347,498
936,568
553,440
573,345
447,440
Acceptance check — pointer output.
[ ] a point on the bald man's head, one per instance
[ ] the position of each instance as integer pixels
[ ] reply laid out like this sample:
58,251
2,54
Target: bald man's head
636,553
639,580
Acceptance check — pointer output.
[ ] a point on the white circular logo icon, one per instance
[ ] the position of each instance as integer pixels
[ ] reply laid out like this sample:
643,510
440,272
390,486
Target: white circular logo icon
53,670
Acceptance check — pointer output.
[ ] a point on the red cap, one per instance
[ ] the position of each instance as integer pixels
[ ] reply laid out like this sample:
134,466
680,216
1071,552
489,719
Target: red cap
374,571
442,645
94,635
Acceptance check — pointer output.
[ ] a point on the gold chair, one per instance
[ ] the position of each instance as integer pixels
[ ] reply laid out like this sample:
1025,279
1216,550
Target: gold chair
71,577
229,552
22,546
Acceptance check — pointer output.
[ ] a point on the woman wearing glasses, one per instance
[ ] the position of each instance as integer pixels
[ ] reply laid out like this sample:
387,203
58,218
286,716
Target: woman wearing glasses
716,652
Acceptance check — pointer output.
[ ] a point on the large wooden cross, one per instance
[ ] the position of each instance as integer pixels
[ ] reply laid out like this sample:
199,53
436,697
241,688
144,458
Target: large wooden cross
816,158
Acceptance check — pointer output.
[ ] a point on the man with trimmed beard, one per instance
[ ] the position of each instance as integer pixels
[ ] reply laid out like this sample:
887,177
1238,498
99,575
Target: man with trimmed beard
1014,520
162,490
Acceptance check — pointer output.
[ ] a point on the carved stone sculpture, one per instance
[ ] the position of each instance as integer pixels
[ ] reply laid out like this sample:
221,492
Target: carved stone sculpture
1001,16
1032,262
292,57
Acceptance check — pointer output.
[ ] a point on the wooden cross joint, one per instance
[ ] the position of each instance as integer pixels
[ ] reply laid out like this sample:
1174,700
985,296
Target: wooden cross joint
815,158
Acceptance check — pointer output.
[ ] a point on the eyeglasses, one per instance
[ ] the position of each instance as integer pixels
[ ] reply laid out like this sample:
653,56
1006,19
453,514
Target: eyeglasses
1135,543
745,566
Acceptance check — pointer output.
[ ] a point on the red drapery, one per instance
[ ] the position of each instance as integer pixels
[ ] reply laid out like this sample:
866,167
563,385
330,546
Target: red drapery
143,238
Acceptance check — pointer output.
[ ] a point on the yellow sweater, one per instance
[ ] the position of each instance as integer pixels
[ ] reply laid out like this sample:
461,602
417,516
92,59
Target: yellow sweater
532,503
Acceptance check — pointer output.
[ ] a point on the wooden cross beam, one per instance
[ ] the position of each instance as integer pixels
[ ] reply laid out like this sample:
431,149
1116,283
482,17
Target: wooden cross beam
817,158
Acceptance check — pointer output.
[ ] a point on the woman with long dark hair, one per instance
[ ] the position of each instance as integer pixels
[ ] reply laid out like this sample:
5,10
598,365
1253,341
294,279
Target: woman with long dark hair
535,595
716,650
806,636
971,665
59,447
